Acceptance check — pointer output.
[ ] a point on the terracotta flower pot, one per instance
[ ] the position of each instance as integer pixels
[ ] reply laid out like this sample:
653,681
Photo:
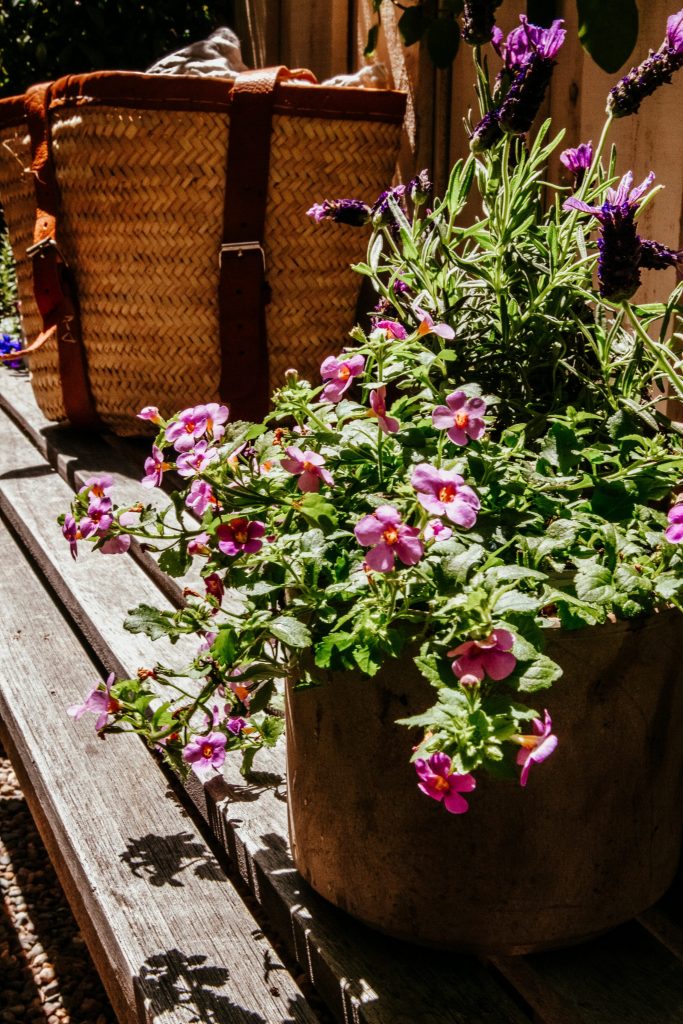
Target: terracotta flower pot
592,840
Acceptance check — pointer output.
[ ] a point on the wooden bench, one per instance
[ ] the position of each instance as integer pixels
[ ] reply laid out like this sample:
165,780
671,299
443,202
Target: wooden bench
161,905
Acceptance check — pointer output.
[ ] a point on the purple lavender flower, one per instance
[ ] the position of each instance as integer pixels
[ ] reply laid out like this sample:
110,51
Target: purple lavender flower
478,20
486,133
536,60
619,244
657,68
419,187
655,256
343,211
578,160
381,211
9,344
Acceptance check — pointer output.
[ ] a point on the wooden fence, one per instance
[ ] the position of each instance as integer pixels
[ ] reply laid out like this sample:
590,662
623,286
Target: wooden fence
329,36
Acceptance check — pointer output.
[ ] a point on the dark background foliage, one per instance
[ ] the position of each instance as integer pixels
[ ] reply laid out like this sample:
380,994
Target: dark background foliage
43,39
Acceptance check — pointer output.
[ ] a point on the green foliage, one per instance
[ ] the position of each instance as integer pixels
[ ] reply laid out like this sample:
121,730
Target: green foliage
43,39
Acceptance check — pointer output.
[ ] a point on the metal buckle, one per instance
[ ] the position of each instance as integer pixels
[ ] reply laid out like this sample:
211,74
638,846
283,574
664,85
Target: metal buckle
238,249
39,248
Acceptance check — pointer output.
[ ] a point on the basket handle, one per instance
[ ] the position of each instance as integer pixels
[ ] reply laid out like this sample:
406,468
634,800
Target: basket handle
243,289
53,283
9,357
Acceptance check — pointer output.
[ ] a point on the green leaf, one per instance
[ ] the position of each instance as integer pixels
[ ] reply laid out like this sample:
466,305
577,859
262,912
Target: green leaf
668,587
458,567
539,675
371,45
175,561
608,30
368,660
514,601
329,645
224,646
292,632
443,39
593,584
318,511
150,621
615,500
412,24
271,729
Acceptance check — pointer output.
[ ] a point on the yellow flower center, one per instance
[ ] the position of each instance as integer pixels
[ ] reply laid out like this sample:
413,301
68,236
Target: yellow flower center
113,706
309,467
461,419
344,373
241,536
440,783
447,493
391,535
207,751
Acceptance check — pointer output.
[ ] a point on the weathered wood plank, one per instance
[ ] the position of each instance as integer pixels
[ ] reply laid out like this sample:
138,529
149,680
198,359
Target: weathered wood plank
172,939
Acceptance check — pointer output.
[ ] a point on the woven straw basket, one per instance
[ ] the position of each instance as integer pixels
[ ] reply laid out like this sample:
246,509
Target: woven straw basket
140,219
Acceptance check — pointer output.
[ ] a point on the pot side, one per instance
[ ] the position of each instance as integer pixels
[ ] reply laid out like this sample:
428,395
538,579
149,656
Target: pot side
593,839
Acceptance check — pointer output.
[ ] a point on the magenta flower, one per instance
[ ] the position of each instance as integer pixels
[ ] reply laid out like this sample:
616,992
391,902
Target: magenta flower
436,531
461,417
187,429
427,326
674,531
71,532
309,467
443,492
216,416
440,783
391,538
392,328
99,517
378,408
492,657
99,701
206,751
199,545
537,747
240,535
151,413
200,496
214,586
340,374
116,545
195,461
155,467
236,725
98,486
344,211
578,160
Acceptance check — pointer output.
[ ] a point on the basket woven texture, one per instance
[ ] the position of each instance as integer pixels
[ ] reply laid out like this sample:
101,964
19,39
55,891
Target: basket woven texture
142,195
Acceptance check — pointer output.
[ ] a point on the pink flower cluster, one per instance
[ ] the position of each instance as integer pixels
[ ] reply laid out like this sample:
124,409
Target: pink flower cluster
98,520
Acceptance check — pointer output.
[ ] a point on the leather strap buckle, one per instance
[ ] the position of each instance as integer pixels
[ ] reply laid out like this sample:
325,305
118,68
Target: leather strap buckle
41,248
238,249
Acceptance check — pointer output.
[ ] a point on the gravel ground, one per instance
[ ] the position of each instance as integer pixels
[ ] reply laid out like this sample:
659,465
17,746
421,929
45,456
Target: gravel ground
46,974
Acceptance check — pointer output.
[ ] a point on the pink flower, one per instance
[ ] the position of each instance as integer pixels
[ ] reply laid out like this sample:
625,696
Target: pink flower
71,532
378,408
99,701
200,496
674,531
216,418
155,467
390,538
116,545
236,725
440,783
392,329
188,428
240,535
98,486
199,545
461,417
308,466
206,751
214,586
194,461
99,517
207,641
444,493
491,657
340,373
436,531
151,413
537,747
427,326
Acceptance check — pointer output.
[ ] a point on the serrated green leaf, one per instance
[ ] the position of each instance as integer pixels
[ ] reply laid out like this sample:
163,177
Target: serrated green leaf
175,561
271,728
290,631
593,584
538,675
150,621
224,647
514,601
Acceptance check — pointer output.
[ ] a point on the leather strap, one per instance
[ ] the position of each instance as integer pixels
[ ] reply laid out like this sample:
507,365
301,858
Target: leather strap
243,290
53,282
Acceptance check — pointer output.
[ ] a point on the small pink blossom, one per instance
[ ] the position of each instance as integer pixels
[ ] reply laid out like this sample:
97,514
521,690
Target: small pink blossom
436,531
207,641
240,535
155,467
216,418
236,725
71,532
674,531
99,701
537,747
98,486
392,329
440,783
309,467
443,492
192,462
200,496
98,519
461,417
151,413
214,586
340,374
427,326
199,545
391,538
187,428
378,408
116,545
492,657
206,751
